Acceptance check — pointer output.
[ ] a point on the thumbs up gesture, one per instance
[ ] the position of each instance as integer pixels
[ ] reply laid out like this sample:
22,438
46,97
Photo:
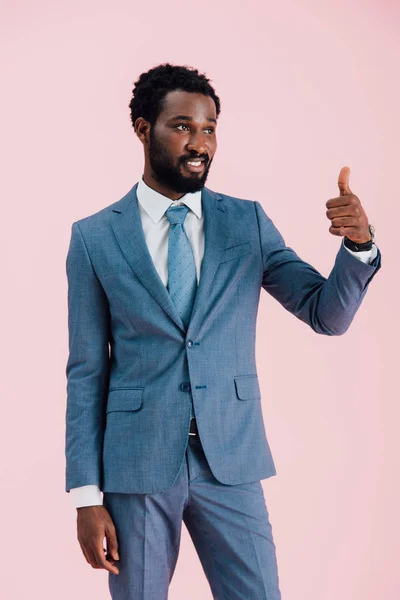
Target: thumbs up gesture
346,213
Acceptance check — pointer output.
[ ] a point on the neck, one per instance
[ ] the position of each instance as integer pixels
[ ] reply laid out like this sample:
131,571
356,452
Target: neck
161,189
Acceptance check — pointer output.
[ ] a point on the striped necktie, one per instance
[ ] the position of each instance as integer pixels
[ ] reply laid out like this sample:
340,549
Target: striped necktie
182,278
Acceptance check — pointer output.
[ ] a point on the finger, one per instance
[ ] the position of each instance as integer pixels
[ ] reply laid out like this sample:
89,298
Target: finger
341,231
344,222
346,200
110,558
92,559
112,543
343,181
101,560
349,210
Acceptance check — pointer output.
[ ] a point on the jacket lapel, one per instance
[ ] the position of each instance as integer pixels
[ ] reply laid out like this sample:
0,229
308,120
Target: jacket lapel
215,240
127,226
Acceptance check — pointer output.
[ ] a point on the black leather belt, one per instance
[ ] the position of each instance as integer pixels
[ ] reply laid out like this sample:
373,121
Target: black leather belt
193,427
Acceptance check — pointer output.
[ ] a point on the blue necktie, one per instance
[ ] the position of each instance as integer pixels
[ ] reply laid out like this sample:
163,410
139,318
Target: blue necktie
182,278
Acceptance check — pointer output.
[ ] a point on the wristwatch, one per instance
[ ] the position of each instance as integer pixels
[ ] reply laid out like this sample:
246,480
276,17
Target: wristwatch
356,247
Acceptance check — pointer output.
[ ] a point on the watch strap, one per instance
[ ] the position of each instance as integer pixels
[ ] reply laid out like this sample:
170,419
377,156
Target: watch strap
355,246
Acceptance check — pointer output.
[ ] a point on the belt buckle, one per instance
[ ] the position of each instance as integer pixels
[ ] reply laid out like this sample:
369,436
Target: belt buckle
193,425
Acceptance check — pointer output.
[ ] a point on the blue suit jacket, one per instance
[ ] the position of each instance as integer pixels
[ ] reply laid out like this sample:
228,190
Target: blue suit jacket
127,417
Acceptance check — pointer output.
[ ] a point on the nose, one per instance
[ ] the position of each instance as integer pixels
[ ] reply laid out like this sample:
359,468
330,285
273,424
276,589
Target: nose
197,143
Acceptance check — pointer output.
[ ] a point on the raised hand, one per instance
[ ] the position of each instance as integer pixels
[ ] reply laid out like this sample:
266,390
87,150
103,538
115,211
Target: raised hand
346,213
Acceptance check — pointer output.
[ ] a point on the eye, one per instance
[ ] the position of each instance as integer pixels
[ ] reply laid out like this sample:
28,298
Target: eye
209,129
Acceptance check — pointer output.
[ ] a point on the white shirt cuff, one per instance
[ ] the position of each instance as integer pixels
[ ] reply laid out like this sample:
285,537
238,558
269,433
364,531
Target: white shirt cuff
366,256
86,495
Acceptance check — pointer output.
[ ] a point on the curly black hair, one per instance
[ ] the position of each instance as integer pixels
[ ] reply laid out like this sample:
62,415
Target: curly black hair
152,87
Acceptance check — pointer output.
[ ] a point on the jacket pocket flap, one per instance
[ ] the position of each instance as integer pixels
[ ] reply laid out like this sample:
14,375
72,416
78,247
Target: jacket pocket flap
120,399
236,251
247,387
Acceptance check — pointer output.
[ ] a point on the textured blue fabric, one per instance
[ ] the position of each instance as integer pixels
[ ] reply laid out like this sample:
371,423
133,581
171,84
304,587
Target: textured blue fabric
182,278
134,368
228,524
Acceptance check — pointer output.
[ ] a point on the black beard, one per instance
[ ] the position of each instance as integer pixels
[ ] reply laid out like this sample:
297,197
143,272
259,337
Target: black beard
169,175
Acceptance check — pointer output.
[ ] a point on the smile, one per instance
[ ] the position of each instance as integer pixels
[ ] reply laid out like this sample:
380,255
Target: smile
194,166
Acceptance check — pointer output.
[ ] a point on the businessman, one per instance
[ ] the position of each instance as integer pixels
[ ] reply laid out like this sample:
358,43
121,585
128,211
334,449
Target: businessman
164,422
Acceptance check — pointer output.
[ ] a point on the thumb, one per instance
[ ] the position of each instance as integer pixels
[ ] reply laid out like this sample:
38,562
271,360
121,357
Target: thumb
343,181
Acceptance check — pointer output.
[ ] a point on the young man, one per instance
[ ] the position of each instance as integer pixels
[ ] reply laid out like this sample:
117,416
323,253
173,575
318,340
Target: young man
164,406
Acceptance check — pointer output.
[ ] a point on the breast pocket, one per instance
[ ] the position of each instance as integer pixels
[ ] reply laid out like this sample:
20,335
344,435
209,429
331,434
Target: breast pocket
236,251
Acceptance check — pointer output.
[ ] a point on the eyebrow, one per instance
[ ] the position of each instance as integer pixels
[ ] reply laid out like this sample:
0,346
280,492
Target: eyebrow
186,118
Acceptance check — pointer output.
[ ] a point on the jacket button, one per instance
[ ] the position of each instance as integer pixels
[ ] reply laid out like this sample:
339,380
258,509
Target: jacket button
185,387
189,343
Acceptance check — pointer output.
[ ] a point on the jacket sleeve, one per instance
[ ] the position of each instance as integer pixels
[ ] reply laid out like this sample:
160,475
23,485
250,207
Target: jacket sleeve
327,305
87,368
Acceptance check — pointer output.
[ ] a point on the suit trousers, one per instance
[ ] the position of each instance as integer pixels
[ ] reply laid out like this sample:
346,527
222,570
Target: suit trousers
228,524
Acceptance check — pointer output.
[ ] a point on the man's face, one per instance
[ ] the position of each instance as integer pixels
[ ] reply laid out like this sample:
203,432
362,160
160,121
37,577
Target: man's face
184,131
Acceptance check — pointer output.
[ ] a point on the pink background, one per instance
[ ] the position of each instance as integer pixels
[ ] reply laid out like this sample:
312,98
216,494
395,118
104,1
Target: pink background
306,88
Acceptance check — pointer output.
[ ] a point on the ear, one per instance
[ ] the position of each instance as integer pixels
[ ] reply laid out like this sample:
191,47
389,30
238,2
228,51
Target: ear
142,130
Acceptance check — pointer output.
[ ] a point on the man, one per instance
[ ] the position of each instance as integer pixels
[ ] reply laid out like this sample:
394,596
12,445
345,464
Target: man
164,406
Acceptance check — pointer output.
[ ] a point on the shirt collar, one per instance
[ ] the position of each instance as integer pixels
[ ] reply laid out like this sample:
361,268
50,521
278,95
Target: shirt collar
155,204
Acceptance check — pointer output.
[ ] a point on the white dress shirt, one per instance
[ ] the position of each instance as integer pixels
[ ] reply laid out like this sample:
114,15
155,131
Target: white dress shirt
152,206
